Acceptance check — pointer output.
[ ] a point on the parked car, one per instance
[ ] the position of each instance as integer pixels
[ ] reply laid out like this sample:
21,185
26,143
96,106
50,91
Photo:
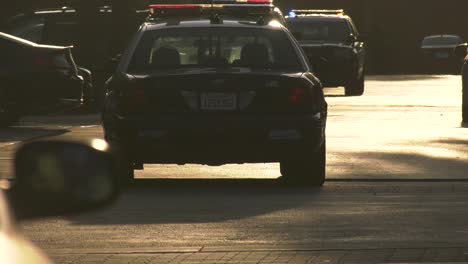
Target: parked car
204,90
36,78
437,51
53,178
333,45
461,51
59,26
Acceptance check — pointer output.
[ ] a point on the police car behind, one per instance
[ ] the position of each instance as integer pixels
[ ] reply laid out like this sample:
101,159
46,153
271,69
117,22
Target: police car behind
333,46
213,91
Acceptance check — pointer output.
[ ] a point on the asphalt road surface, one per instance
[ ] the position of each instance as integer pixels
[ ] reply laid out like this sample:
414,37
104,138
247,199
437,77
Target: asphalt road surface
397,191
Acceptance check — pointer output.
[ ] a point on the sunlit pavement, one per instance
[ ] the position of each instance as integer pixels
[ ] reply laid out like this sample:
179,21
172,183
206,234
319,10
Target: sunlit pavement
397,192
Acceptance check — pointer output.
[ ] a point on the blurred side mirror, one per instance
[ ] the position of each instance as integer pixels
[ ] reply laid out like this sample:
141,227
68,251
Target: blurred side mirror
63,177
351,39
114,61
461,50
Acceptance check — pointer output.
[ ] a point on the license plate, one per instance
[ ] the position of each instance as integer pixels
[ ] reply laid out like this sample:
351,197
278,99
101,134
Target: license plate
441,55
218,101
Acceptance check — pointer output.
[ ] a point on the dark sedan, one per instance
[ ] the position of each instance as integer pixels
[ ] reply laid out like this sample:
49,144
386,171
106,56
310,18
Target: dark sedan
35,78
59,26
437,53
213,92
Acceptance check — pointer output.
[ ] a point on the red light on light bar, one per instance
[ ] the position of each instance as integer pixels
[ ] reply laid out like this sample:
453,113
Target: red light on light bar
259,1
174,6
255,1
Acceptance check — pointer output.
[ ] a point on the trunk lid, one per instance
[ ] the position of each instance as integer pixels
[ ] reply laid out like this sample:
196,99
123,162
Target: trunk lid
212,92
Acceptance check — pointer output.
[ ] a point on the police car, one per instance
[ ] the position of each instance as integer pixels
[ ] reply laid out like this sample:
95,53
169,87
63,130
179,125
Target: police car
216,84
333,45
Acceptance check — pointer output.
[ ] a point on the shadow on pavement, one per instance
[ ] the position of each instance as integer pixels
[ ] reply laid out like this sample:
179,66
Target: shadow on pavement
161,201
62,120
380,166
404,78
12,134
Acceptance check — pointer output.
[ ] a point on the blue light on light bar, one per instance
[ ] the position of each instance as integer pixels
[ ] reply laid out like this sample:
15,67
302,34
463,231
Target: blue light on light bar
292,14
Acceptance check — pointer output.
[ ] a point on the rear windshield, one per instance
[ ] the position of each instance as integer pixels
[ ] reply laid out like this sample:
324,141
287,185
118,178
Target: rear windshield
320,30
170,49
442,40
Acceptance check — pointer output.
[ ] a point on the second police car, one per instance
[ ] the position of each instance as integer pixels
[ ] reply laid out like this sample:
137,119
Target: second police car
217,84
333,46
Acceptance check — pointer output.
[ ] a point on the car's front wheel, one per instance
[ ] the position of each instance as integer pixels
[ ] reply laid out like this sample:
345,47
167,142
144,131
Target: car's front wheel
126,174
465,94
306,169
355,87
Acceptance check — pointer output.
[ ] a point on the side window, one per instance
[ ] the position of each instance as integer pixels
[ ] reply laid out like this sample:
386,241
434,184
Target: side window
30,29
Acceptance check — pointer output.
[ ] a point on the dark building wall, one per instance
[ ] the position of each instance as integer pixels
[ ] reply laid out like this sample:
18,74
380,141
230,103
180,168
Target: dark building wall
394,28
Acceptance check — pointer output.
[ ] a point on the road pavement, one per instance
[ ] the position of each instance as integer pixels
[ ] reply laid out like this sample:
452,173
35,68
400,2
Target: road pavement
396,191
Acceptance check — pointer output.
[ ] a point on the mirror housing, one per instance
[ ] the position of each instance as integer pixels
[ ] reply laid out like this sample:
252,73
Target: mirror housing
351,39
461,50
57,177
114,61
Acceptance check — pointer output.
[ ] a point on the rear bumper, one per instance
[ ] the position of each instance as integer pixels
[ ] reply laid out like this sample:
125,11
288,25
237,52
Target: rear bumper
217,140
336,72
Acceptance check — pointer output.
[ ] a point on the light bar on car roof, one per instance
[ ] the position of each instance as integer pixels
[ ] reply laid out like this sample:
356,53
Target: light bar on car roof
247,8
265,2
209,2
298,12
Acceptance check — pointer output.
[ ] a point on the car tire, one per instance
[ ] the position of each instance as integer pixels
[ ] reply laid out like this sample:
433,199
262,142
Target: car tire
465,94
355,87
309,170
88,98
126,174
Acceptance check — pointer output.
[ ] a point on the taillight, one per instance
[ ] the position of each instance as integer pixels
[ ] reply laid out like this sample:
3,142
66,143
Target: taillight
55,62
297,96
135,96
303,99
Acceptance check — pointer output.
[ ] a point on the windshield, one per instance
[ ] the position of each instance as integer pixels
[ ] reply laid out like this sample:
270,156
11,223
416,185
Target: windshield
169,49
329,31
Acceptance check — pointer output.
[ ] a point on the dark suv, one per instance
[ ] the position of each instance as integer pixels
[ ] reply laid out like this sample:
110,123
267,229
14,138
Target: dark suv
59,26
333,46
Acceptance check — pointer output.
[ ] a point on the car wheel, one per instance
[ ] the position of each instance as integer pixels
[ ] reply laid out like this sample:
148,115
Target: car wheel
355,87
465,95
308,170
88,99
126,174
